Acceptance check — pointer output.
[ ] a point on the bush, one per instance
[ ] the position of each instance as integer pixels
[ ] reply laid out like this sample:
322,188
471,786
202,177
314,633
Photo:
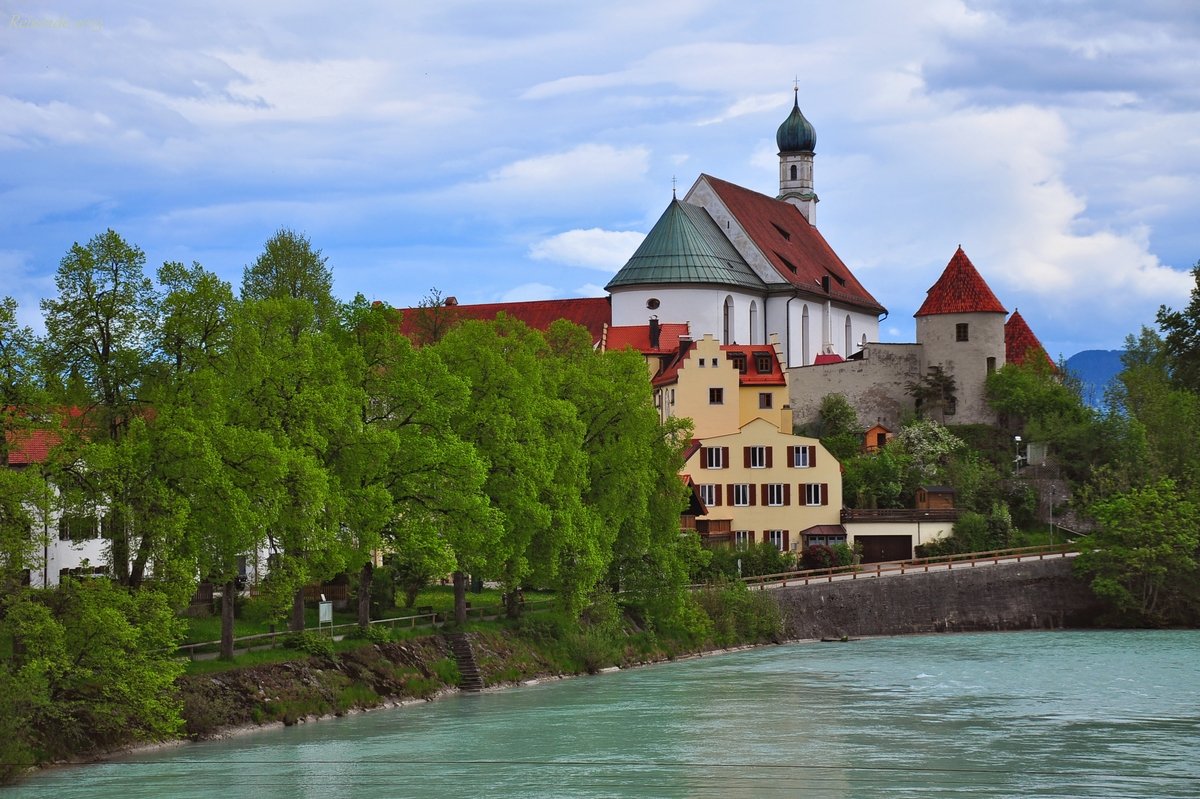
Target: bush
740,616
446,670
818,556
373,633
843,555
310,643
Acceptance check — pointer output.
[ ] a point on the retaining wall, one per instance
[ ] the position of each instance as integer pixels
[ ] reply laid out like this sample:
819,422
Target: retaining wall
1028,595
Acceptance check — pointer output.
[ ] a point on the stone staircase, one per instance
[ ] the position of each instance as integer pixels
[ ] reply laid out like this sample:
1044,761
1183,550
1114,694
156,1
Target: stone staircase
460,646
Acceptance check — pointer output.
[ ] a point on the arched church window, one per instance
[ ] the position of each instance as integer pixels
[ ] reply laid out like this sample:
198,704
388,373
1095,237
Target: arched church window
727,322
849,338
804,340
793,171
755,338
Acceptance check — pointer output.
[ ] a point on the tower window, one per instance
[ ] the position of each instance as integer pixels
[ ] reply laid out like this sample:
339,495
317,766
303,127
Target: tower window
960,332
793,171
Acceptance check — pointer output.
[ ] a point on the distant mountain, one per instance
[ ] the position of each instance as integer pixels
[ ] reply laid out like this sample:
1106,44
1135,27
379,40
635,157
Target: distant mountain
1095,370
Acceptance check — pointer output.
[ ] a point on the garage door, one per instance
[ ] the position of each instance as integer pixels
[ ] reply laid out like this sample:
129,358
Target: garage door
880,548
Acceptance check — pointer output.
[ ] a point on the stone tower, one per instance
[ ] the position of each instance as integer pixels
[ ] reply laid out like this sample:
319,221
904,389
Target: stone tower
797,139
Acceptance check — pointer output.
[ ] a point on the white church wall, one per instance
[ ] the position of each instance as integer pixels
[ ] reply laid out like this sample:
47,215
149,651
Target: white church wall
702,307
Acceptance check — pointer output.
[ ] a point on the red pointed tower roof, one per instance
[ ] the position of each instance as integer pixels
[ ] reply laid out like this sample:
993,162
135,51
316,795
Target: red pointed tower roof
1020,343
960,289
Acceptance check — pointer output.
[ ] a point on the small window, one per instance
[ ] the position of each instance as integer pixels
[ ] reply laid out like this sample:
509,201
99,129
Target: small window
961,332
793,172
762,363
758,457
764,399
739,361
672,396
652,303
708,494
741,494
77,527
802,457
778,538
742,539
991,365
716,396
816,494
702,363
714,458
775,494
714,363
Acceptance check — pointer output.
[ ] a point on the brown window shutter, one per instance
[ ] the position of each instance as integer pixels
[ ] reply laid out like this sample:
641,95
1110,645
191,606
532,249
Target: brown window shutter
791,457
704,457
824,493
724,457
746,457
751,536
769,451
765,499
787,493
787,545
717,493
732,496
750,492
812,456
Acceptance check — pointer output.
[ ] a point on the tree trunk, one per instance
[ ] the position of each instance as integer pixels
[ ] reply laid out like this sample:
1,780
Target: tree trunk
512,603
228,600
365,576
296,622
460,598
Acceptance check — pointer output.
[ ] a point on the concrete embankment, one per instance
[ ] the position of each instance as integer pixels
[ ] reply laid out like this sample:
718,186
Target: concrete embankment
1028,595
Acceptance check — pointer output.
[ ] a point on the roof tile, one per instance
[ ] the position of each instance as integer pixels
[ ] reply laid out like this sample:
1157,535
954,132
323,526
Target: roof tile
960,289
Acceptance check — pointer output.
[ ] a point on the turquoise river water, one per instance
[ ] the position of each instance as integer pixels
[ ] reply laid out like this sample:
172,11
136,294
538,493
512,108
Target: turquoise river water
1047,714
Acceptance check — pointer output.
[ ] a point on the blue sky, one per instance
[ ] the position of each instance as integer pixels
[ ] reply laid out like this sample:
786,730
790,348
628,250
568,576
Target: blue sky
519,150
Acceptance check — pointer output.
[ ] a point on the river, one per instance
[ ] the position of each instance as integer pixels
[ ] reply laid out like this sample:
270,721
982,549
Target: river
1032,714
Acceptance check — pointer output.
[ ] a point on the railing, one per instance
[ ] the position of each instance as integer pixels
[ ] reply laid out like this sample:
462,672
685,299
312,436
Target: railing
916,565
429,619
899,515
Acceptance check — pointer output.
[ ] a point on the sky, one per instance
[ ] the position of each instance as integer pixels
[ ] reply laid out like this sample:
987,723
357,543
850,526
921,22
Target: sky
514,150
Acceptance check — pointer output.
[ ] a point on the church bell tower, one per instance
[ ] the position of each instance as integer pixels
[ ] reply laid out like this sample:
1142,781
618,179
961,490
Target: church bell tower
797,139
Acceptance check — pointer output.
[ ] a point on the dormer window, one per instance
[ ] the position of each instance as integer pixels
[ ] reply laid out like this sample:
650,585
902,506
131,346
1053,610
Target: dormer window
786,236
739,361
762,363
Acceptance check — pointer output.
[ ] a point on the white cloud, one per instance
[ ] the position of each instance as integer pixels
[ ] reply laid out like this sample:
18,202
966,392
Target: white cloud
590,290
594,248
578,168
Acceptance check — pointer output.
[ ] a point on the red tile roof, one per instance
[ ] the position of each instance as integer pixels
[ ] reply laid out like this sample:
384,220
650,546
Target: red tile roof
594,313
31,446
1020,341
638,337
750,377
960,289
825,358
794,247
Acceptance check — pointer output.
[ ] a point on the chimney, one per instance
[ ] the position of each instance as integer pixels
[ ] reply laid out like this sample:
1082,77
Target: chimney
655,333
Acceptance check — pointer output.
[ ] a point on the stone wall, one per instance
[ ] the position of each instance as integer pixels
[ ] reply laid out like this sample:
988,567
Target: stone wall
1028,595
876,386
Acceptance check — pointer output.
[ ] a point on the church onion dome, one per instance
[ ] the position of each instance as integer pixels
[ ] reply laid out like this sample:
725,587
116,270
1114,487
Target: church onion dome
686,246
796,134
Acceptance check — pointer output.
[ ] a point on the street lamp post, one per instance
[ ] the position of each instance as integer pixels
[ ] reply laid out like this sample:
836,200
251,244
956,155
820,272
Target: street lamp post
1017,459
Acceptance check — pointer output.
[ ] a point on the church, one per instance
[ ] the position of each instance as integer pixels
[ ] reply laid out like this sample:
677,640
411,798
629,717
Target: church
748,269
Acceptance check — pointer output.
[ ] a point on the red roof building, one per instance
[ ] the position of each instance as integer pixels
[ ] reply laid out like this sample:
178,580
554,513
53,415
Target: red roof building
1020,343
590,312
960,289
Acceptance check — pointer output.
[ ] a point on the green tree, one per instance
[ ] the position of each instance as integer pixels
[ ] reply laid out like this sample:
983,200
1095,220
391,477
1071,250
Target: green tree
291,269
97,334
93,667
839,429
1182,339
1143,555
934,394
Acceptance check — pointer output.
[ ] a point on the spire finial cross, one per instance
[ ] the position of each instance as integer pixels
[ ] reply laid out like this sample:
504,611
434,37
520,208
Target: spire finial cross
672,187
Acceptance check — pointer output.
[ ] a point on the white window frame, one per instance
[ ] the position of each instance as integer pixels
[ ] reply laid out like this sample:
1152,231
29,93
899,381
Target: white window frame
758,457
775,495
800,459
713,458
708,494
742,539
811,491
741,494
774,537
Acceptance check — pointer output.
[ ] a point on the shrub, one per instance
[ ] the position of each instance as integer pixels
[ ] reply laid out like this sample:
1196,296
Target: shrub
446,670
310,643
373,633
817,556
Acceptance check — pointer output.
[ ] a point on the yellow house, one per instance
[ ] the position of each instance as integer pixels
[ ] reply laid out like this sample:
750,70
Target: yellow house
763,484
722,387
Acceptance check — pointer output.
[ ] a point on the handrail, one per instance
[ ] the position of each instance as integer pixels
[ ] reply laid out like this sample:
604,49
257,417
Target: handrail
190,649
971,559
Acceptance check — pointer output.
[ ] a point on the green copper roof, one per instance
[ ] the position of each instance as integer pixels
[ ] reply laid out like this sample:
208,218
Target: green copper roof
686,246
796,134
